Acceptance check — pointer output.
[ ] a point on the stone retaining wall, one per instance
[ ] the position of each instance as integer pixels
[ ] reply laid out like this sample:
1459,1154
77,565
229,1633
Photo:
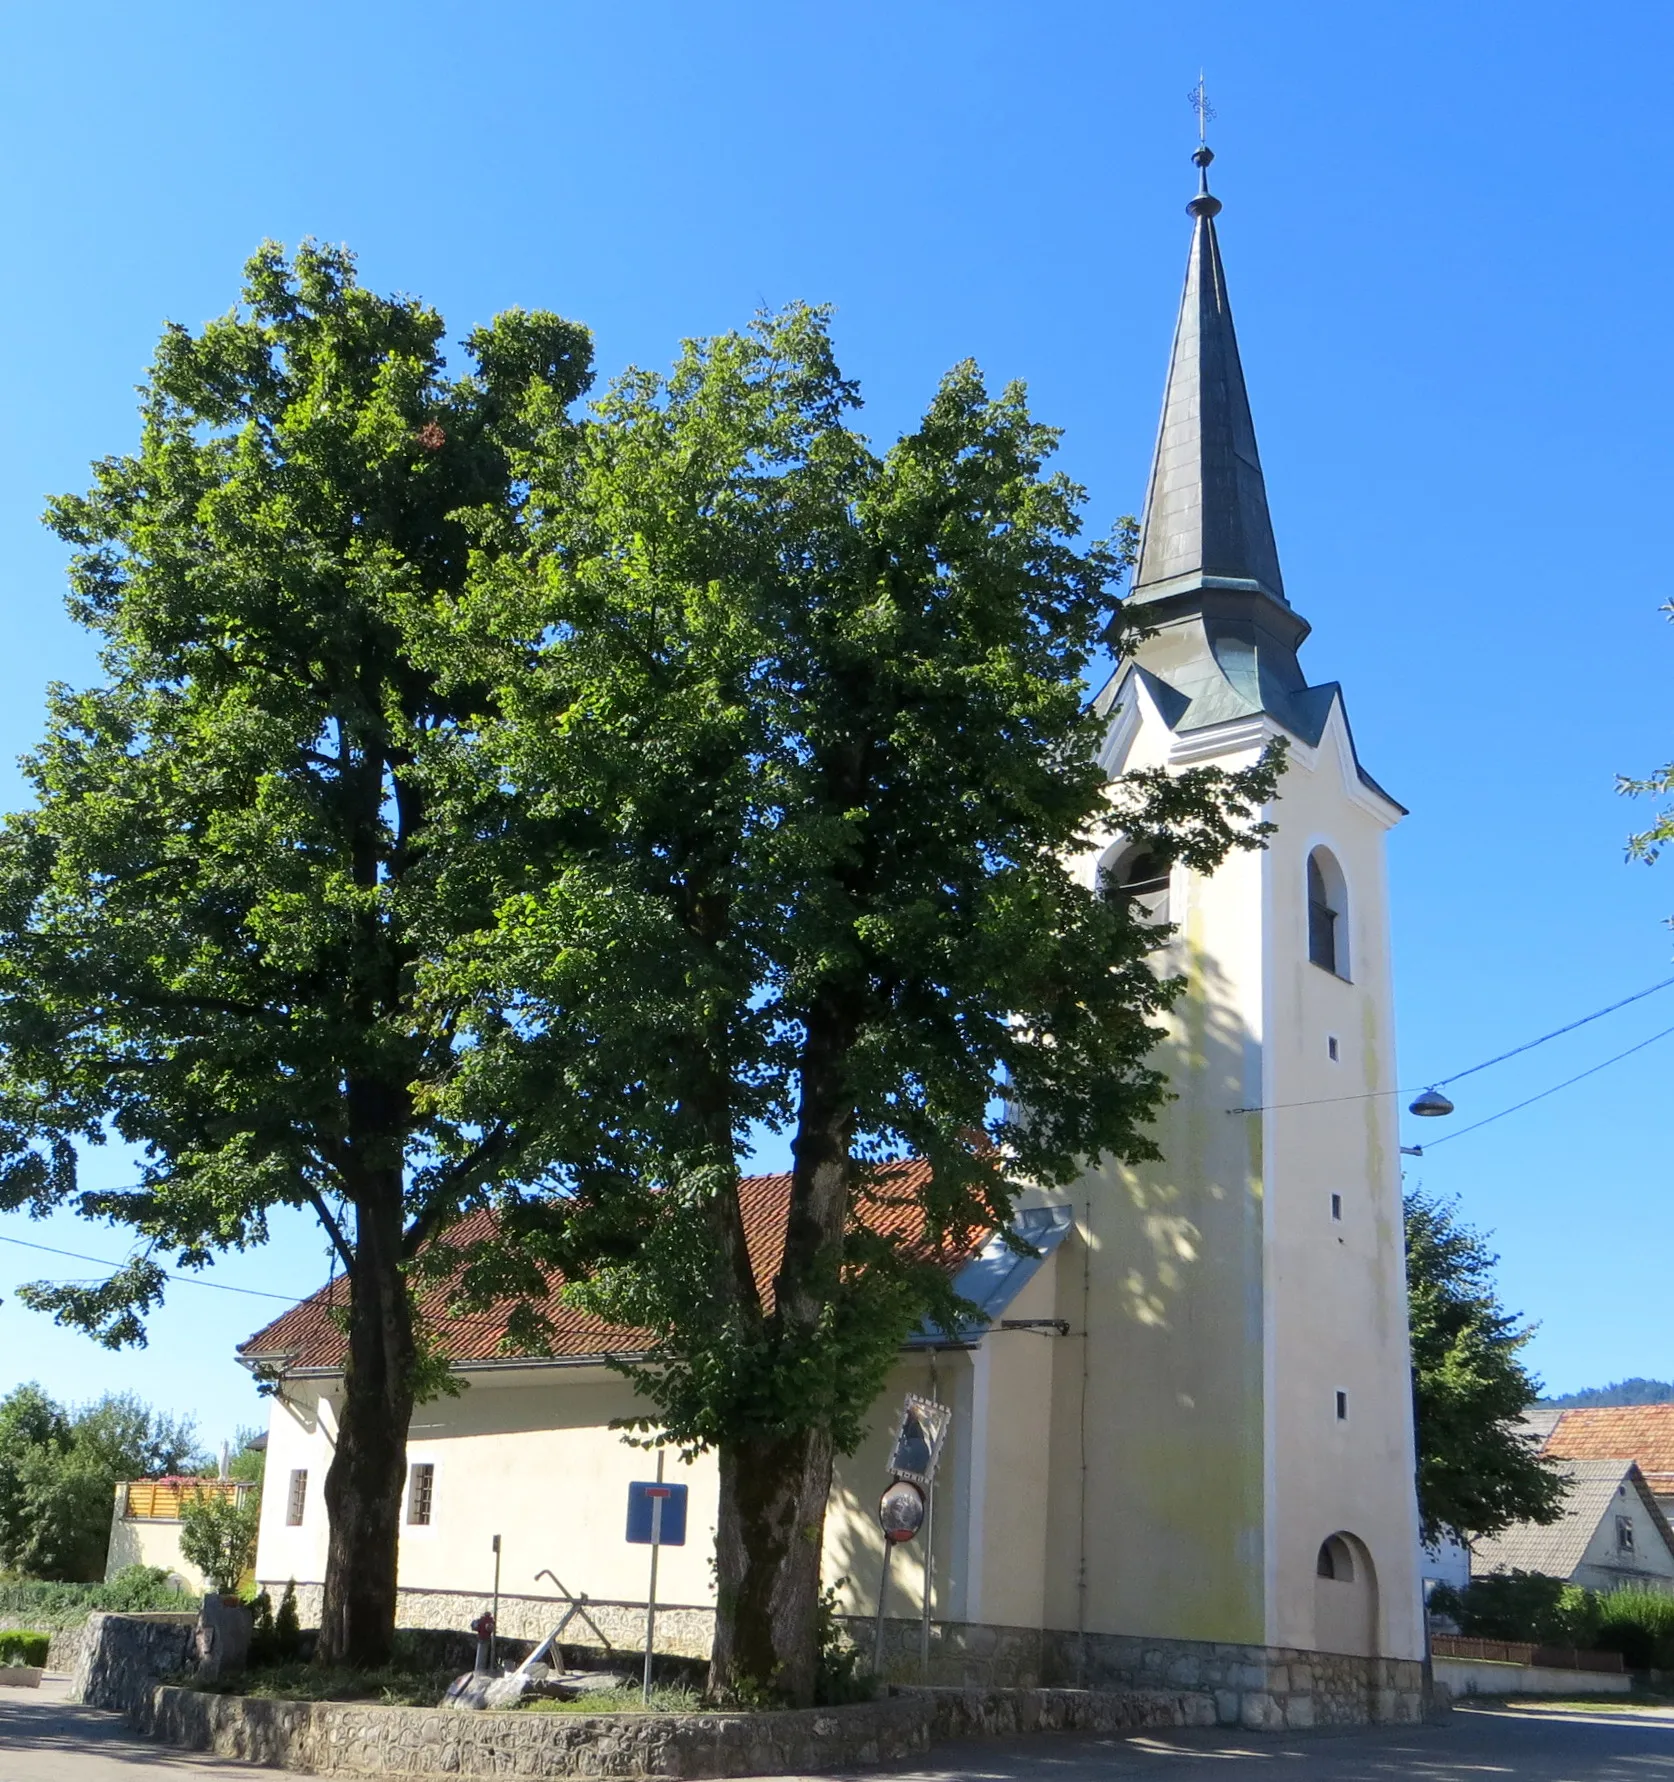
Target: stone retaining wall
65,1641
1264,1688
122,1657
356,1739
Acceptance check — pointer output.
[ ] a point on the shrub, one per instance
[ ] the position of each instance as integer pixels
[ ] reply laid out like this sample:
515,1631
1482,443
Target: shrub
287,1629
218,1534
1639,1623
840,1677
24,1648
135,1588
1521,1606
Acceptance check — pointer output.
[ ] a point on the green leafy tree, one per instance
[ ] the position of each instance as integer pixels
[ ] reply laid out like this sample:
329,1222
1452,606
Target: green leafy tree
805,732
242,852
58,1471
218,1533
1477,1473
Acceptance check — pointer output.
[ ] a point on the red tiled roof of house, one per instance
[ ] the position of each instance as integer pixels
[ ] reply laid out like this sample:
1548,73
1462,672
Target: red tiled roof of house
308,1336
1644,1433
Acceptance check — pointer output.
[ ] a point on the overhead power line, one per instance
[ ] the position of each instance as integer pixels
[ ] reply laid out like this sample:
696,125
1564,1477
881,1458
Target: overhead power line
173,1274
1274,1107
1515,1107
1556,1033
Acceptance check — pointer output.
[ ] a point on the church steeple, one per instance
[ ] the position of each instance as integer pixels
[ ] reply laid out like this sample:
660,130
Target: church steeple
1206,524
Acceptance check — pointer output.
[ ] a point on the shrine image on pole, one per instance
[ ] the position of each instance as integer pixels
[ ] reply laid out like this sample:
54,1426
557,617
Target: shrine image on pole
918,1439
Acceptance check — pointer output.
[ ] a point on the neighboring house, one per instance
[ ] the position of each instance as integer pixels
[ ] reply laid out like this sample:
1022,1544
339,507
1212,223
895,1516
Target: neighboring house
145,1525
1612,1532
1188,1427
1642,1433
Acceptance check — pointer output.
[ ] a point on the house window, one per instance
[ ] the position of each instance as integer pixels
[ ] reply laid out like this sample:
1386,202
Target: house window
1142,878
1331,1047
1624,1534
1336,1206
1342,1407
1327,914
421,1493
297,1499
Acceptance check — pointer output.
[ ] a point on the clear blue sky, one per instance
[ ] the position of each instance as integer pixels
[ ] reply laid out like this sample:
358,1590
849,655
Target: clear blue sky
1446,232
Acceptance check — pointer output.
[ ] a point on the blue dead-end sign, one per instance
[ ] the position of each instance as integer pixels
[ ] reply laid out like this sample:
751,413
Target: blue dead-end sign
642,1495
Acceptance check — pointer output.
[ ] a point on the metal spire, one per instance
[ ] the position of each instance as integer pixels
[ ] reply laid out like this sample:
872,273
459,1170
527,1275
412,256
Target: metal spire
1206,522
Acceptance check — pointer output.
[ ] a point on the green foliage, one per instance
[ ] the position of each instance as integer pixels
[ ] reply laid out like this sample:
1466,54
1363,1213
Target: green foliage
134,1589
842,1677
246,841
262,1650
1638,1622
1476,1473
218,1534
287,1628
1520,1605
806,734
1636,1391
1635,1620
803,730
58,1470
20,1647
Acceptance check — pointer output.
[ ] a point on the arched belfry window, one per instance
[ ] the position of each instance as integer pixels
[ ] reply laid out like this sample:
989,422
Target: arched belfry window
1327,913
1141,876
1336,1560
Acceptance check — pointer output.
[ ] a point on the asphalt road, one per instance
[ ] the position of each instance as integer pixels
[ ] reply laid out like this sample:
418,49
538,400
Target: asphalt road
43,1739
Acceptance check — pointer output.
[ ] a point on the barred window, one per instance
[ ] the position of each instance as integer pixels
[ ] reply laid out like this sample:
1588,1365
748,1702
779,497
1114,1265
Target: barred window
297,1501
421,1493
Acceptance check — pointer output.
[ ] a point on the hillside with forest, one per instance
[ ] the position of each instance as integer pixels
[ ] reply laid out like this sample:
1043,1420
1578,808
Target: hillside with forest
1620,1392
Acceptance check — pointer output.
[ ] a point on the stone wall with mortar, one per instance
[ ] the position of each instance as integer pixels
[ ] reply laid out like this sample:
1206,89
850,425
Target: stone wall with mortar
66,1639
1260,1687
122,1657
358,1739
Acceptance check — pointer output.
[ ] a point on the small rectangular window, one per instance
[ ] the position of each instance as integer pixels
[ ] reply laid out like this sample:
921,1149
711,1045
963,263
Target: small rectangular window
421,1493
1331,1047
1336,1206
297,1501
1624,1534
1342,1407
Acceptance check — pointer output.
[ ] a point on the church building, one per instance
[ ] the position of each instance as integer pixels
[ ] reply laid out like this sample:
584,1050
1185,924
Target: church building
1181,1449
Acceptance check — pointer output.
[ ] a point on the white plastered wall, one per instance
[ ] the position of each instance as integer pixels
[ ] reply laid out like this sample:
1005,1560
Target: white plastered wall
1336,1287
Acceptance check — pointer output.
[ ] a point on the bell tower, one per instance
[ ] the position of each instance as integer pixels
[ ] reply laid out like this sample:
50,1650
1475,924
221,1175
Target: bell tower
1248,1419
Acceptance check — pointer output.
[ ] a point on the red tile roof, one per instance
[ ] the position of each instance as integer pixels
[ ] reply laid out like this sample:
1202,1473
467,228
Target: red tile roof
308,1336
1644,1433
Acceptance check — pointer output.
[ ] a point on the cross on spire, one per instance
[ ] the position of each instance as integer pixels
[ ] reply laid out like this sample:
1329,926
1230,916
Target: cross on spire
1198,99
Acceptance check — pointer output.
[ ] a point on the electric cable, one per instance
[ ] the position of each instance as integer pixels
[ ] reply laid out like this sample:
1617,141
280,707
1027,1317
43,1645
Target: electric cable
1477,1125
288,1299
1273,1107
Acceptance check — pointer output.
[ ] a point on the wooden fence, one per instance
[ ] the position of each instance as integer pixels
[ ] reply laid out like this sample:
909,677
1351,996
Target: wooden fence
1562,1658
159,1500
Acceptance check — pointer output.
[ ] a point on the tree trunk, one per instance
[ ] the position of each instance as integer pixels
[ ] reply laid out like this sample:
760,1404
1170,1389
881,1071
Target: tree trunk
768,1536
365,1483
771,1522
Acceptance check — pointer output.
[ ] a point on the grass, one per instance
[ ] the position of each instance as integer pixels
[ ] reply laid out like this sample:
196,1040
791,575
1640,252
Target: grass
665,1699
392,1687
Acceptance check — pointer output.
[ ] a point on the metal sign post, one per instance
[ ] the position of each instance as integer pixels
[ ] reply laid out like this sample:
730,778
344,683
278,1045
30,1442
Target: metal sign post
900,1515
656,1518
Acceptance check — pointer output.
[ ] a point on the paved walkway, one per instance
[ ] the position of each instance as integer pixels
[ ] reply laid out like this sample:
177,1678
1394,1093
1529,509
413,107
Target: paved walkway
44,1739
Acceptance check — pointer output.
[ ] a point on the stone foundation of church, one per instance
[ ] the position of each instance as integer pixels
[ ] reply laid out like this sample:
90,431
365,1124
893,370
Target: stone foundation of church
1264,1688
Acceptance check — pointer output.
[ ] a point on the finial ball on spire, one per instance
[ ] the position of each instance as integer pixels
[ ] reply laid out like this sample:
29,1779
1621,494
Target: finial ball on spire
1202,155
